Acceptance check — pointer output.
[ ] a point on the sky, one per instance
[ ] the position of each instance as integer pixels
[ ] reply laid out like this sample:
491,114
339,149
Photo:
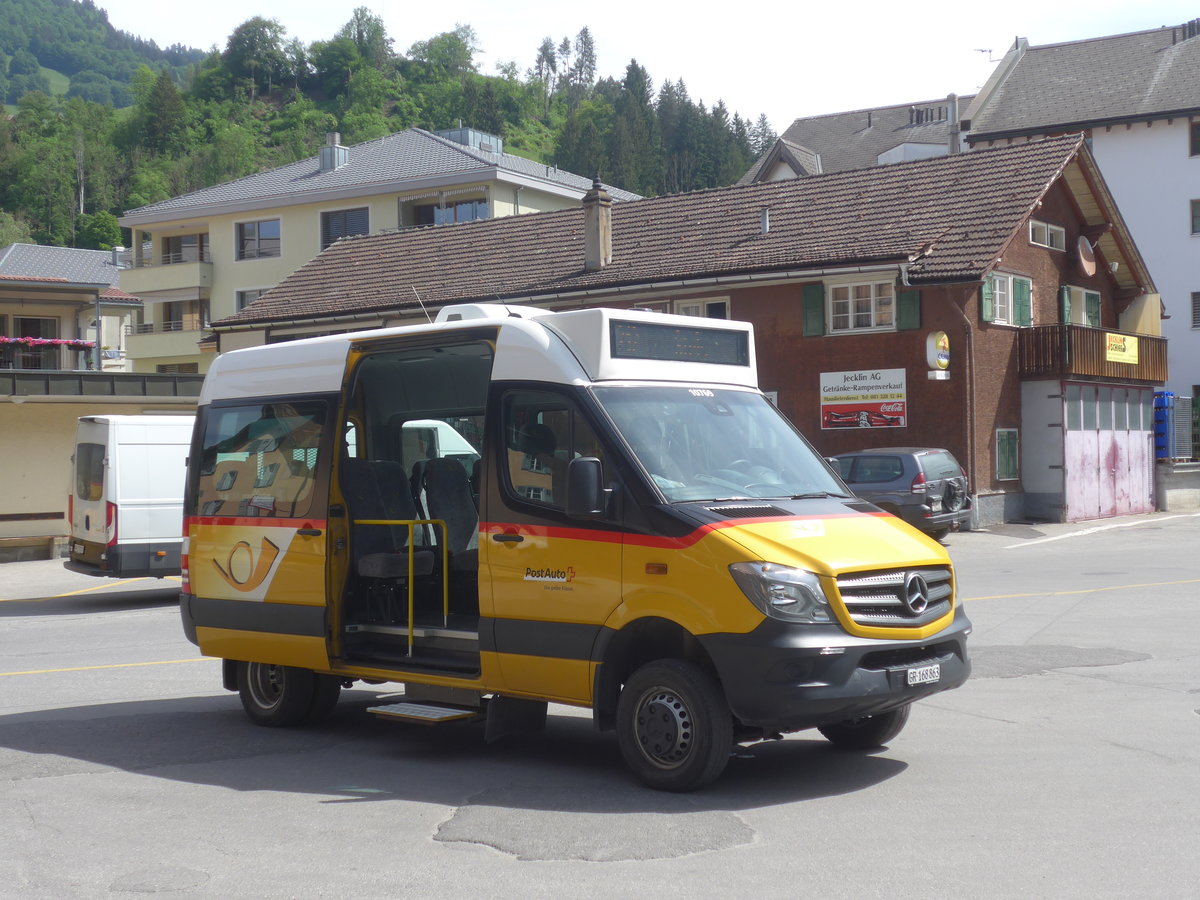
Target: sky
758,60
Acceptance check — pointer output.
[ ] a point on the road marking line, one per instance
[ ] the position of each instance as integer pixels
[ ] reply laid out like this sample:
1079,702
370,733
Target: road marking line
163,662
1086,531
98,587
1095,590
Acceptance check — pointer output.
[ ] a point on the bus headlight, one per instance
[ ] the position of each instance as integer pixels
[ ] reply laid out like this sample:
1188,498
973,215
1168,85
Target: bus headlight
781,592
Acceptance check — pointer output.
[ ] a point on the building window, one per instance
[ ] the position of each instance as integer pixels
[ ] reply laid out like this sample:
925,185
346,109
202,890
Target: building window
1196,309
862,307
1007,299
1052,236
185,248
245,298
343,223
450,213
1194,139
258,240
1079,306
1007,458
707,309
1196,217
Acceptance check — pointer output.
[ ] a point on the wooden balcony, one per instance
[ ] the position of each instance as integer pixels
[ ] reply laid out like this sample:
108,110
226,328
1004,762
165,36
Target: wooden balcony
1082,351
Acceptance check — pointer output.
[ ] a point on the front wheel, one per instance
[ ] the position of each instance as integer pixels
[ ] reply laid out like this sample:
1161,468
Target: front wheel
674,727
278,696
866,733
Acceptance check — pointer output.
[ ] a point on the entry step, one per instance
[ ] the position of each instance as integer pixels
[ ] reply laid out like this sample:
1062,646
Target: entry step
429,713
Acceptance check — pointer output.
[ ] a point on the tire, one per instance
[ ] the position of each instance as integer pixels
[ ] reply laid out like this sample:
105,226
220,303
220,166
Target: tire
326,691
279,696
674,727
939,534
866,733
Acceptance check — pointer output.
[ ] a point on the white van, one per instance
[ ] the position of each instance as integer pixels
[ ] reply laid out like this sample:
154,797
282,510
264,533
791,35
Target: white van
126,500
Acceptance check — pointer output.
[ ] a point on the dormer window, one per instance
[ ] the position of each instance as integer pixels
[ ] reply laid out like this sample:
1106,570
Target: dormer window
1044,235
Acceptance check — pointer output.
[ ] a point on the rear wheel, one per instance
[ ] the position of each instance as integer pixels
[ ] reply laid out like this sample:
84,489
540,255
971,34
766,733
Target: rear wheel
868,732
278,696
674,727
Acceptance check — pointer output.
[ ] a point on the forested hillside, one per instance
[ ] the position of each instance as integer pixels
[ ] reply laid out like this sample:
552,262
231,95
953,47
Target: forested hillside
69,165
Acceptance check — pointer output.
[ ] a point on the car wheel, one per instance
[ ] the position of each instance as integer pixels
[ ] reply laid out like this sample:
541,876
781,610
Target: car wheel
939,534
278,696
868,732
674,727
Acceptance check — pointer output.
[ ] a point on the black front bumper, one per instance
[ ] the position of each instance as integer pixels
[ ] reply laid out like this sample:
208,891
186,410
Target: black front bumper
783,677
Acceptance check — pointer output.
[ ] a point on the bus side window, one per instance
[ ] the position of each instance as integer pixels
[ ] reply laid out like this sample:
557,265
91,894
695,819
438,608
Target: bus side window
543,433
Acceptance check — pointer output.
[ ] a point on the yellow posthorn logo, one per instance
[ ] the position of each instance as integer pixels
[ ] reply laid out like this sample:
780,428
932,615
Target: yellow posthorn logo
242,571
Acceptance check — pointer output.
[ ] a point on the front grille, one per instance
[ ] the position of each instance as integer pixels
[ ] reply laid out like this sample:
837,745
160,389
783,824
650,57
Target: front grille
897,598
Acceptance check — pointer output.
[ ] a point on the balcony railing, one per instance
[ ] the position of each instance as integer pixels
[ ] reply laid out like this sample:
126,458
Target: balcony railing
187,323
51,383
1080,350
171,259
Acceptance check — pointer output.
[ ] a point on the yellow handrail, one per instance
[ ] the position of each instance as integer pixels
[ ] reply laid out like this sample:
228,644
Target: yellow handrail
410,525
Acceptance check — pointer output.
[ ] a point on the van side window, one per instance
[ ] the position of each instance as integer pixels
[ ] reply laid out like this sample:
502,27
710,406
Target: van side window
543,432
261,459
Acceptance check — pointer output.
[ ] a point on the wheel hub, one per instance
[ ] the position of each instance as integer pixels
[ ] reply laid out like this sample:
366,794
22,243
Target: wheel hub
664,728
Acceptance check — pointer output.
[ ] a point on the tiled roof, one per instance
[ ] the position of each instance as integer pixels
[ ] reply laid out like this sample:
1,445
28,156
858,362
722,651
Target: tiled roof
958,210
409,155
854,140
33,262
1125,76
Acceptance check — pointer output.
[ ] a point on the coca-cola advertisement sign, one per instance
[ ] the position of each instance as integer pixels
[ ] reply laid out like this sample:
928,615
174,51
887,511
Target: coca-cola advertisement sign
871,398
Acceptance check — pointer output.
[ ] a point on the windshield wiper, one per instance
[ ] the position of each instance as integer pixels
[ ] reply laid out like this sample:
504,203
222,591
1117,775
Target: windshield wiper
818,495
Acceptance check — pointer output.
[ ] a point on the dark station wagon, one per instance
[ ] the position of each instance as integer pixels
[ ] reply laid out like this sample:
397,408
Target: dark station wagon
925,486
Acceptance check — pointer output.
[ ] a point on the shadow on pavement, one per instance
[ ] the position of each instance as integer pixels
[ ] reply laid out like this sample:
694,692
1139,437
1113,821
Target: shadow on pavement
110,600
355,758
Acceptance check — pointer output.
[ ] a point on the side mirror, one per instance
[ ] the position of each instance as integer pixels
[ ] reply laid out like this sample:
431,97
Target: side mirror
586,496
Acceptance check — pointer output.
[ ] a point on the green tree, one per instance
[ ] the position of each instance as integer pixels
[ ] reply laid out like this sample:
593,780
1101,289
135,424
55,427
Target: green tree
447,55
13,230
254,54
335,63
164,115
370,36
97,231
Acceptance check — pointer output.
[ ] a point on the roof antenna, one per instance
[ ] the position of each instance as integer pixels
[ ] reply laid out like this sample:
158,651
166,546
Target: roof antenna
422,302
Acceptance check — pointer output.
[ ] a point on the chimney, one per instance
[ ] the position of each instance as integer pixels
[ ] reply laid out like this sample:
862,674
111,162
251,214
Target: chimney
953,141
333,154
597,228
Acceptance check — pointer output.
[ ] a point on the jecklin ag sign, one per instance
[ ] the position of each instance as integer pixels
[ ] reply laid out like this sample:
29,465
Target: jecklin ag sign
873,398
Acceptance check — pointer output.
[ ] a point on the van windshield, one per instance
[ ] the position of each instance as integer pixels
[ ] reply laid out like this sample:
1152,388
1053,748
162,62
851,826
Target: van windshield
704,443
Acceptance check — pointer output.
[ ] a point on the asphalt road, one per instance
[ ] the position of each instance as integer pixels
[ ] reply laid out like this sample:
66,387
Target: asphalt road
1068,766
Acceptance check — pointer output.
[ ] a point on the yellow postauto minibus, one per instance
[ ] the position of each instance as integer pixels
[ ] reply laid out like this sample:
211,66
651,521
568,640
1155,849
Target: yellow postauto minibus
509,507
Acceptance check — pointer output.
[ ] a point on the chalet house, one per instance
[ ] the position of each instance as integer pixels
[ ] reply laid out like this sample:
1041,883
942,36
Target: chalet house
992,303
1135,96
205,255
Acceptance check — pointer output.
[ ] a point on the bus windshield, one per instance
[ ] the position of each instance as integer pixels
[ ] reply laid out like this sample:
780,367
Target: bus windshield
705,443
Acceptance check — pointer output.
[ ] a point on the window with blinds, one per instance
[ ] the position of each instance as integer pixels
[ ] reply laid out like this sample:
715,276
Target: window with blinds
343,223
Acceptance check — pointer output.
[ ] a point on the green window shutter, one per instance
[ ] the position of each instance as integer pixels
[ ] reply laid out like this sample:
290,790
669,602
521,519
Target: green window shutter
908,310
987,307
1022,301
1092,304
1064,304
814,310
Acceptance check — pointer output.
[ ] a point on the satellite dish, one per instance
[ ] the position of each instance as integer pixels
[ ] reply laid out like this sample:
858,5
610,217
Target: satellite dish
1087,258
